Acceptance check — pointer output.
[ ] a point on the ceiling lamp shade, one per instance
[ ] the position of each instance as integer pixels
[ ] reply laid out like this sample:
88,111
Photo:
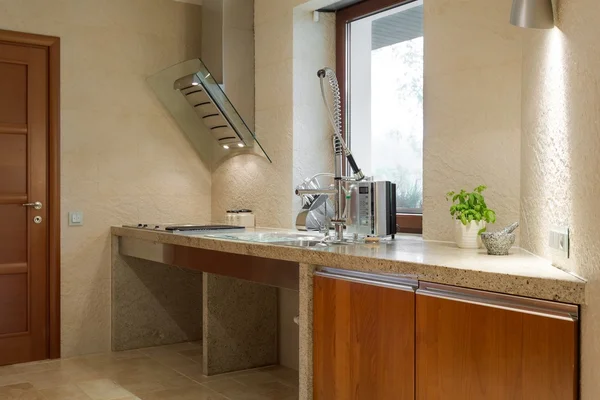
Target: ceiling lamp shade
535,14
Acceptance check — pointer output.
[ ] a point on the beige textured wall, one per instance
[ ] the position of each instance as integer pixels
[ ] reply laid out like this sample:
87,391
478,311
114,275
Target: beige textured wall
314,48
249,181
472,108
123,158
239,181
560,168
238,50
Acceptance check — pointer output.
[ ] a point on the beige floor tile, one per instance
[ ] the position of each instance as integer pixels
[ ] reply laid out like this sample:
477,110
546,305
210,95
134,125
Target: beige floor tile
60,377
151,378
20,391
196,373
115,356
12,379
194,355
228,388
189,393
67,392
17,387
162,373
171,347
256,378
276,391
256,386
172,359
102,362
115,368
33,395
283,374
154,351
104,389
26,368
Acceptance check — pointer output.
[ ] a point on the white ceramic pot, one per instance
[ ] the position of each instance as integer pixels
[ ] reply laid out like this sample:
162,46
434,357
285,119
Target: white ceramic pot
466,236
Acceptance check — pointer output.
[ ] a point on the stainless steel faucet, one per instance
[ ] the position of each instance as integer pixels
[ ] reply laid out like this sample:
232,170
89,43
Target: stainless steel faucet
340,150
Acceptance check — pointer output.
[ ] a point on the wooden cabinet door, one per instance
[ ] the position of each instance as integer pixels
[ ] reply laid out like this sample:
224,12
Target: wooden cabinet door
469,351
363,341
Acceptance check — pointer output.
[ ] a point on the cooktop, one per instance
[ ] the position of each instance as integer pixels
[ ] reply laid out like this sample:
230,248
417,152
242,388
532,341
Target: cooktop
183,228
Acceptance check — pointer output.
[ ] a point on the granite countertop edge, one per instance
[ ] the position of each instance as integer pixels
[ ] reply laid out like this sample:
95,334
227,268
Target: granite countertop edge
566,289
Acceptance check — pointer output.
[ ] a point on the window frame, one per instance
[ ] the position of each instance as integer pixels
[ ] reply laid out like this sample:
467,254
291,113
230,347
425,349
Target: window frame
406,223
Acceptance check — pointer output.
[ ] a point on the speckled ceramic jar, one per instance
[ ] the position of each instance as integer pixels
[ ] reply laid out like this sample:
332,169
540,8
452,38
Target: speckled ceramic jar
467,236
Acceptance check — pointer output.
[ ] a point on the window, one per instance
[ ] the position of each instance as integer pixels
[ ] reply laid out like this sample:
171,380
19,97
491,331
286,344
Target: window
380,67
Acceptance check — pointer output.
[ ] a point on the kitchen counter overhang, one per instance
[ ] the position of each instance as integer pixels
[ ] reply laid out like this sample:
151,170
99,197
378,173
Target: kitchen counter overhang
520,273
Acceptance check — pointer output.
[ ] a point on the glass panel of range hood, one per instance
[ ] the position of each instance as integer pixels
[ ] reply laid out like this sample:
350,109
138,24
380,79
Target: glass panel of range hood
204,113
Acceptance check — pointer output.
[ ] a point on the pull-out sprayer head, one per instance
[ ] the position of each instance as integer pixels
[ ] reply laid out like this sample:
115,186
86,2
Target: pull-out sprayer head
335,118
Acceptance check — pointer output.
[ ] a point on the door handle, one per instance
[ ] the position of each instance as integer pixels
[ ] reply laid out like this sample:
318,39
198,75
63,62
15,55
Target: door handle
37,205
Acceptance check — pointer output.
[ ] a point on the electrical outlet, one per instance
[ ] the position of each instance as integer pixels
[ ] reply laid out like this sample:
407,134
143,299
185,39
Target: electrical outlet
75,218
559,241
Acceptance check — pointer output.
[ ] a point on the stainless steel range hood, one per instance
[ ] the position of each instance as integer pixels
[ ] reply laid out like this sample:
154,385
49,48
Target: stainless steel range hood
196,97
217,113
204,113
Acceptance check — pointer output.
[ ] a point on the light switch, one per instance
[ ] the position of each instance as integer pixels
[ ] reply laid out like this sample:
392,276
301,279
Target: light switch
75,218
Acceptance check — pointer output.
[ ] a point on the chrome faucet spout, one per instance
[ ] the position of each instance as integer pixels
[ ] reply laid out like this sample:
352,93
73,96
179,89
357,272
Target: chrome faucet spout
340,151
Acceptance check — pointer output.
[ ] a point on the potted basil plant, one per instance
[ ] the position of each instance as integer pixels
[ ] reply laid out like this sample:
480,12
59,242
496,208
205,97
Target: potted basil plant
471,214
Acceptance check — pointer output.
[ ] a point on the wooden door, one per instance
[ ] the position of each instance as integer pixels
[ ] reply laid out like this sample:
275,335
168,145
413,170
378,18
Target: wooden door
468,351
23,179
363,341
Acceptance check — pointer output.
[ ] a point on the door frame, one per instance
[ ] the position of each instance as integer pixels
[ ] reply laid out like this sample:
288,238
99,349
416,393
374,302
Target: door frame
52,44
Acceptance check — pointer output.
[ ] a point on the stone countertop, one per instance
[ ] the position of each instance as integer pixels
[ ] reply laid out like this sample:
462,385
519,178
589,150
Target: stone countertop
519,273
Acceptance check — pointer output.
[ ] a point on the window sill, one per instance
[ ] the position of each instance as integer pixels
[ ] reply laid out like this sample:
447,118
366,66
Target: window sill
409,223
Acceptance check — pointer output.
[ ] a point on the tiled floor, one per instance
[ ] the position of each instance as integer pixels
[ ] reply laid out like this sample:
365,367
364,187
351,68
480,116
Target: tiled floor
159,373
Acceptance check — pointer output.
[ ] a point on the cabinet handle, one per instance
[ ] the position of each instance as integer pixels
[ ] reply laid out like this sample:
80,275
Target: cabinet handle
399,282
544,308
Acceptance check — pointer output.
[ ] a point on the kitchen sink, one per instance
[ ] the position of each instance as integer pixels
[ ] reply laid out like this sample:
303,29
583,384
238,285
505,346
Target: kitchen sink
265,237
276,238
304,243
